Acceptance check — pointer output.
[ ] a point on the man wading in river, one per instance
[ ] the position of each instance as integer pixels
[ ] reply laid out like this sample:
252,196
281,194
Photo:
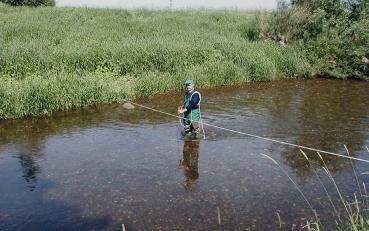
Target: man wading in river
191,109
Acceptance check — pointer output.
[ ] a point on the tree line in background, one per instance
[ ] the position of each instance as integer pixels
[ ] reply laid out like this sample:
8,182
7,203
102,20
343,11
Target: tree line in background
32,3
335,33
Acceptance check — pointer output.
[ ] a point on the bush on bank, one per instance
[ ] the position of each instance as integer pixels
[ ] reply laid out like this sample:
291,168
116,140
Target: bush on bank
32,3
334,33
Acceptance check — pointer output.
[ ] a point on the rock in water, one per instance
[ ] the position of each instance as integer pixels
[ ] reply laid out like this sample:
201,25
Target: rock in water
128,106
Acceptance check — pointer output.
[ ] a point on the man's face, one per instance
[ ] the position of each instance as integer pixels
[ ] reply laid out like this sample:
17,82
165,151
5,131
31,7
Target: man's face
190,87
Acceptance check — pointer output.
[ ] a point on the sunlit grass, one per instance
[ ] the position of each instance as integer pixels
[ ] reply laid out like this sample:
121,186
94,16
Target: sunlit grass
149,51
34,95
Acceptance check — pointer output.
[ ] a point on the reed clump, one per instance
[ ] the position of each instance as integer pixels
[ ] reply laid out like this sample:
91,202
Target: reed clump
137,52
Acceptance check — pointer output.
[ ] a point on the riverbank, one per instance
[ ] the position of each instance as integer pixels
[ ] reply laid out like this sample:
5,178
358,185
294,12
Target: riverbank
60,58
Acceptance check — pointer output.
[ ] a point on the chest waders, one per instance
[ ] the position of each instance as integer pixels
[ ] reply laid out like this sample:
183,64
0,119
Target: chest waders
192,118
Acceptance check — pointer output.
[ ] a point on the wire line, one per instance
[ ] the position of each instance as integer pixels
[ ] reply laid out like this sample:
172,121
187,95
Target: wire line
256,136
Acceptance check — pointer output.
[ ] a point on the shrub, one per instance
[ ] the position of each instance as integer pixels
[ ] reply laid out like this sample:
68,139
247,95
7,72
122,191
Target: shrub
334,33
32,3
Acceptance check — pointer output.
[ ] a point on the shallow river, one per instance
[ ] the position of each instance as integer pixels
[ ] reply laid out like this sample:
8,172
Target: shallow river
96,169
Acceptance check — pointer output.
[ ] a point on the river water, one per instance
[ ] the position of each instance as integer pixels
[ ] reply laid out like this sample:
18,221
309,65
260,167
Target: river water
96,169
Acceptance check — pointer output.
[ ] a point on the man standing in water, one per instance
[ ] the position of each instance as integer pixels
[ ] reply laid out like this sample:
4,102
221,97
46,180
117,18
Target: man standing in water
191,109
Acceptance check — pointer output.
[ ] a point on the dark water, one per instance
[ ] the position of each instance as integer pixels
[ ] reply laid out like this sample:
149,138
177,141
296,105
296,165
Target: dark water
95,169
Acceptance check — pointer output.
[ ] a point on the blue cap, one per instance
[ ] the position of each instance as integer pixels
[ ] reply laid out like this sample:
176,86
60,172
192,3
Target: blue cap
189,82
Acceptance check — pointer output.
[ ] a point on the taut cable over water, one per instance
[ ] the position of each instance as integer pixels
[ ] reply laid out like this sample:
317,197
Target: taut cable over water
256,136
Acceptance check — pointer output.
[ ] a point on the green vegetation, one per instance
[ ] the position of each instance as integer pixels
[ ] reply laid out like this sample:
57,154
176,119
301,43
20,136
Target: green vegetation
59,58
32,3
334,33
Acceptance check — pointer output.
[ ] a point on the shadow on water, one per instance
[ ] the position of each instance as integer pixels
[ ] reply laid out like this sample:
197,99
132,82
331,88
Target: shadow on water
22,210
30,209
46,215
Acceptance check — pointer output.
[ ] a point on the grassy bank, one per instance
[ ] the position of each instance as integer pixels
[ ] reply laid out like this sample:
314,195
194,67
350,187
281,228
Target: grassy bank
59,58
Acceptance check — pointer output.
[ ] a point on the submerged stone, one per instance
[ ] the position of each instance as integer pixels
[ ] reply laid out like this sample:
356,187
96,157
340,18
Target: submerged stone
128,106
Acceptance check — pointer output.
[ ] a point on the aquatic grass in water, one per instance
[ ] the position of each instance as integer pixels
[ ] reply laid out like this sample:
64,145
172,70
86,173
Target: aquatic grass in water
296,186
148,51
356,217
323,186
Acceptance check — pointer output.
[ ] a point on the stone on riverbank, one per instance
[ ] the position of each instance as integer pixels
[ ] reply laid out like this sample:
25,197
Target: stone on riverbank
128,106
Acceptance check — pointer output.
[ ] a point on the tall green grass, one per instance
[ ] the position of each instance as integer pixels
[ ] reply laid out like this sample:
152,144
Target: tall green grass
149,51
35,95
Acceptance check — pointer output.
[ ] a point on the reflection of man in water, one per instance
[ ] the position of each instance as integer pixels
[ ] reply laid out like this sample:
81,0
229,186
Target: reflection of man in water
190,162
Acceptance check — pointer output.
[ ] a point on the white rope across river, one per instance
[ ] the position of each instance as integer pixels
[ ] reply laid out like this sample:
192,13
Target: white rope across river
256,136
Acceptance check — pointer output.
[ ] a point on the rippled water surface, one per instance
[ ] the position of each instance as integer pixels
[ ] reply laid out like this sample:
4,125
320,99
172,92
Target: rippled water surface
96,169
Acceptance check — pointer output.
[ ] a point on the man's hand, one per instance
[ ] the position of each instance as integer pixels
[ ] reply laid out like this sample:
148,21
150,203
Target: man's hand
181,110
